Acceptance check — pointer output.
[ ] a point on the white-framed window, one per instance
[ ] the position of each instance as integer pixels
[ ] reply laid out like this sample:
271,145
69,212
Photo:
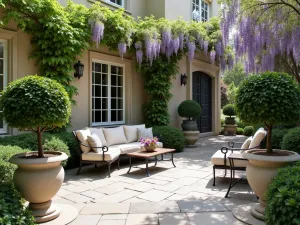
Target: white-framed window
200,10
108,93
3,76
117,2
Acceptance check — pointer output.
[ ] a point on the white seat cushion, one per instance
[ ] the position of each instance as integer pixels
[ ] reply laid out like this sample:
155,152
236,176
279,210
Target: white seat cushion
82,136
111,154
95,142
131,132
114,136
246,144
218,160
100,134
129,148
258,138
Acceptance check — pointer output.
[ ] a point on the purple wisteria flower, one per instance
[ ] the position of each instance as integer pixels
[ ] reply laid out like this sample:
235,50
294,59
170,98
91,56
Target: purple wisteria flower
213,57
122,47
191,47
205,47
98,32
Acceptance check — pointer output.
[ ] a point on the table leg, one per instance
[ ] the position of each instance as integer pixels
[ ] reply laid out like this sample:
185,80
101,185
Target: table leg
147,170
130,164
172,159
231,174
162,157
155,160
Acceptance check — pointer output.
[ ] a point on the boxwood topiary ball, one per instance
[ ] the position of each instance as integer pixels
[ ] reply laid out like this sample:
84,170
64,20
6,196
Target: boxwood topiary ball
35,101
189,109
229,110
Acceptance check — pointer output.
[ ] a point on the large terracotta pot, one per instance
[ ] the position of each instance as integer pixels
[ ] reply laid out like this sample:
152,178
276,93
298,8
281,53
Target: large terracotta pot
260,171
38,180
191,138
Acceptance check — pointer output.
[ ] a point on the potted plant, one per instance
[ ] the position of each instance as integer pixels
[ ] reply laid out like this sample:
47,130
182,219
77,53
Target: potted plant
191,110
37,104
271,98
230,126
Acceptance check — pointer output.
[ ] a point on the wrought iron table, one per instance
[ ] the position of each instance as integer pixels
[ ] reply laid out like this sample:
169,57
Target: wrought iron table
233,157
148,155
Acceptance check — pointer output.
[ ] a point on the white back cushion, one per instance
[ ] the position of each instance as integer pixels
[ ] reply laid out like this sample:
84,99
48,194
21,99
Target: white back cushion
82,136
145,133
258,138
95,142
246,144
131,132
100,134
114,136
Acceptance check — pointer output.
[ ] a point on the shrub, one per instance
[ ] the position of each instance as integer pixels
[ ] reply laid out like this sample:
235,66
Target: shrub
222,131
239,131
240,124
35,103
189,109
171,137
270,98
29,141
222,122
283,197
291,140
277,138
248,131
55,144
229,110
12,210
7,169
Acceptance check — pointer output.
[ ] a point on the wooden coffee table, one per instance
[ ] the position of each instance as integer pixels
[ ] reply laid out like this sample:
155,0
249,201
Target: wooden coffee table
148,155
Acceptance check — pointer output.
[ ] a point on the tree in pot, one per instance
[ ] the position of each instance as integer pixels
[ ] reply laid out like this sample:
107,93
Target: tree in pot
191,110
230,124
271,98
37,104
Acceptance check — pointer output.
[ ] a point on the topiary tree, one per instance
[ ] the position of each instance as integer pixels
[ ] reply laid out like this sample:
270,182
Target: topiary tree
229,110
189,109
36,104
272,98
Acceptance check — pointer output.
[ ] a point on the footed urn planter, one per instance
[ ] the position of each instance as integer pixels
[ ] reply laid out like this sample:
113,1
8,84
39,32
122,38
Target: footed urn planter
38,180
260,171
190,132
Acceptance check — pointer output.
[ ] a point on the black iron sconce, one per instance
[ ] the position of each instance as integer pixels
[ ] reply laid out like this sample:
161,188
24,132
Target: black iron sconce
78,69
183,79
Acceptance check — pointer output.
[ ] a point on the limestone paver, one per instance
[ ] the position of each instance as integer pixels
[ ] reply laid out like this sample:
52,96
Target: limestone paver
158,177
155,195
158,182
92,194
63,201
213,218
201,206
154,207
77,198
173,219
112,222
77,189
86,219
135,199
142,219
195,196
186,181
142,187
112,188
114,217
119,196
171,187
105,208
63,192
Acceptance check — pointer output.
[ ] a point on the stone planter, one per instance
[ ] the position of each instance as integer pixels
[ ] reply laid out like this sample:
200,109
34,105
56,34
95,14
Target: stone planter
260,171
38,180
230,129
230,121
191,138
189,125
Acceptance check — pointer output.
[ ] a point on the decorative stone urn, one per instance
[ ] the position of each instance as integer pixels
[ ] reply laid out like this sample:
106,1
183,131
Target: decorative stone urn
260,171
38,180
191,138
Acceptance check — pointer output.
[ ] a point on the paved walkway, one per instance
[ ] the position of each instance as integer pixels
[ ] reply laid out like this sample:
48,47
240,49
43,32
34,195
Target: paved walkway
171,196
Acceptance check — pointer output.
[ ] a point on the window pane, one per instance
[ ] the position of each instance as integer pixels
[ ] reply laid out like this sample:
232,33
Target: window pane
93,77
104,91
93,117
97,103
1,83
104,79
113,80
120,92
104,103
120,80
97,116
1,66
113,92
114,116
120,115
97,67
113,103
120,103
97,91
1,50
104,68
104,116
120,70
1,124
97,78
93,103
113,70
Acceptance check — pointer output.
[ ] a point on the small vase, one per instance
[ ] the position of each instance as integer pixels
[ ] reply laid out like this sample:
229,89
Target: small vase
150,148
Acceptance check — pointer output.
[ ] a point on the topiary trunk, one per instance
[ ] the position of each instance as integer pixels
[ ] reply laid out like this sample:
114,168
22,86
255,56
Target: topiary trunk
269,138
40,143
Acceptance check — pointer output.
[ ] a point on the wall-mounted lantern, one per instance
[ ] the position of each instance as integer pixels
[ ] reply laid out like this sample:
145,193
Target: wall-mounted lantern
183,79
78,69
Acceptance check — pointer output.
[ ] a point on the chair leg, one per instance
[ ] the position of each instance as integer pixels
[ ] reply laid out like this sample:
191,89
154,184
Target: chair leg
214,172
79,169
119,163
109,164
95,165
225,172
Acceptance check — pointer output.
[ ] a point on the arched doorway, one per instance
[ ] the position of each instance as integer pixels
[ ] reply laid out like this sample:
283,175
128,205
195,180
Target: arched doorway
202,93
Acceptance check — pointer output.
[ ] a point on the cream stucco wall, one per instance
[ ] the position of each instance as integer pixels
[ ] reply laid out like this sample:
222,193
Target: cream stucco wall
156,8
178,8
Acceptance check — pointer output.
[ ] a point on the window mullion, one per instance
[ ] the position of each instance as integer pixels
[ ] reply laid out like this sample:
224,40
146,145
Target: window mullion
109,92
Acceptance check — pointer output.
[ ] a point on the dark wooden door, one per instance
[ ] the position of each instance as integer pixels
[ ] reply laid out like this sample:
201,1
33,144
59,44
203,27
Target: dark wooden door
202,93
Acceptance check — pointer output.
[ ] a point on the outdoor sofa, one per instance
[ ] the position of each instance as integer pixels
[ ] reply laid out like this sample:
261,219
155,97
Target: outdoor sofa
107,145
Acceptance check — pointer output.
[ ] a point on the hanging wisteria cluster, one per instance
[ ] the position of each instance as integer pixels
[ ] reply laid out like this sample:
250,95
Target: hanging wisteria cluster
264,32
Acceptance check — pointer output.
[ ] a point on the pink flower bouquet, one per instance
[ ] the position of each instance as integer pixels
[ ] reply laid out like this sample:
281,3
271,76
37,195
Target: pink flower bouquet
150,144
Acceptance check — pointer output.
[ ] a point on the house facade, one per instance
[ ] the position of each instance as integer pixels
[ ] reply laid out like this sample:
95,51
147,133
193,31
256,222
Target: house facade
111,91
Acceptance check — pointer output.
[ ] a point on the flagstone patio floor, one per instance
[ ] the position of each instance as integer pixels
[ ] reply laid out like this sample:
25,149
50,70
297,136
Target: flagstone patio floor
171,196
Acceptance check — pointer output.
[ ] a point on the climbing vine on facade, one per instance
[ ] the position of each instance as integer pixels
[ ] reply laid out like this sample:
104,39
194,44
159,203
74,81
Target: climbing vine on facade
60,34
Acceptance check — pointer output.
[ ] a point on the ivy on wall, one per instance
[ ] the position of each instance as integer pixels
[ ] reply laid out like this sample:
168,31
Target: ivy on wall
60,34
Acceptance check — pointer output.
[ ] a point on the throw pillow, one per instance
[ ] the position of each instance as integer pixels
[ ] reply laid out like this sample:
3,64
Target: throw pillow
82,136
131,132
246,144
100,134
144,133
95,142
258,138
114,136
